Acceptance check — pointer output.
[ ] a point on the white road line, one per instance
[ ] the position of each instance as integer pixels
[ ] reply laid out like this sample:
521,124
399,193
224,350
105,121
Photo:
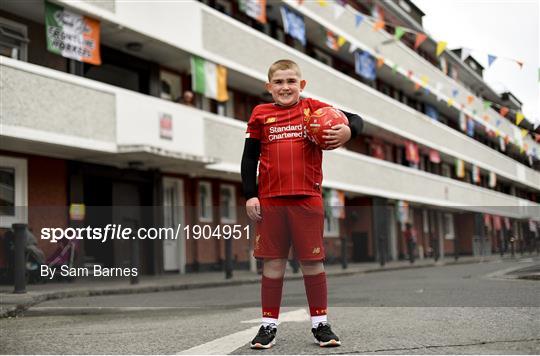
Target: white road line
227,344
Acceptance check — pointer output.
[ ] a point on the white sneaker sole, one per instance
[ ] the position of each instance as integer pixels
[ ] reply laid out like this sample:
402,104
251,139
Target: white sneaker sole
258,346
331,343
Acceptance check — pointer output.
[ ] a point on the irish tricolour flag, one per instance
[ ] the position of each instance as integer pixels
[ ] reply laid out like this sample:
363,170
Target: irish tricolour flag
209,79
72,35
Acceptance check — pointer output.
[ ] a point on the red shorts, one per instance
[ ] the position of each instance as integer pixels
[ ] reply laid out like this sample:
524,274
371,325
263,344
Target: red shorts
290,220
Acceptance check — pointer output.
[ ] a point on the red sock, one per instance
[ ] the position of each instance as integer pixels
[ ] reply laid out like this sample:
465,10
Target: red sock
271,289
316,293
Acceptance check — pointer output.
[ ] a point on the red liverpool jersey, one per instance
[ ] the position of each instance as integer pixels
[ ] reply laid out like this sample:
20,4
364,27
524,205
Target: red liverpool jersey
290,164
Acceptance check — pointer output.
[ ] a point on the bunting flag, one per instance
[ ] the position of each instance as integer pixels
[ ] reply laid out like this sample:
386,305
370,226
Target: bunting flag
460,168
209,79
492,179
394,68
441,45
450,102
434,156
380,62
339,9
487,104
491,59
519,118
322,3
352,48
358,19
409,74
300,2
475,174
455,92
420,38
470,99
416,86
486,118
379,25
341,41
255,9
399,32
465,53
524,132
498,123
293,24
424,80
503,111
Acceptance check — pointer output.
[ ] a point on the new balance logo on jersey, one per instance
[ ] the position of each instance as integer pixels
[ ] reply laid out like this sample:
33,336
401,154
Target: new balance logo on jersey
316,250
270,120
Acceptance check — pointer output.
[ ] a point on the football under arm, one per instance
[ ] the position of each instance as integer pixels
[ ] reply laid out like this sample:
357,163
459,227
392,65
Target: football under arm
356,123
248,167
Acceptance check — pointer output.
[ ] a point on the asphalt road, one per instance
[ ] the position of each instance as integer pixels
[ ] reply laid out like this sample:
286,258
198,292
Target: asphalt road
471,309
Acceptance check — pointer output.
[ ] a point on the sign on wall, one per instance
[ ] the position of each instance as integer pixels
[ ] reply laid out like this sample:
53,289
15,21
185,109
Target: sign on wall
165,126
72,35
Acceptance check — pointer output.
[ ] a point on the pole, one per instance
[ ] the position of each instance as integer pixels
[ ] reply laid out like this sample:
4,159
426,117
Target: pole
19,260
344,252
228,258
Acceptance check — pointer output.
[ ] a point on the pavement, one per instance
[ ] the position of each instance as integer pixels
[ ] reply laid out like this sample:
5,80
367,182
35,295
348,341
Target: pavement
15,304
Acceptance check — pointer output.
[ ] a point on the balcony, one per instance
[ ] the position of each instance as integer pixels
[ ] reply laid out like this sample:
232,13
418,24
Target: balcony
231,42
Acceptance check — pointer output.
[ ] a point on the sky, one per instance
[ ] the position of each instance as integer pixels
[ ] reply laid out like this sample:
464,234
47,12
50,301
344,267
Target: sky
506,28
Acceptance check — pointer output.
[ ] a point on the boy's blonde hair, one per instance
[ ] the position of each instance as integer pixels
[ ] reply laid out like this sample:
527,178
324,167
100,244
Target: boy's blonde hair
283,64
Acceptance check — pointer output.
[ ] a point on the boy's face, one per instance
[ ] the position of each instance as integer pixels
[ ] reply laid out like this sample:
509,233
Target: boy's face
285,87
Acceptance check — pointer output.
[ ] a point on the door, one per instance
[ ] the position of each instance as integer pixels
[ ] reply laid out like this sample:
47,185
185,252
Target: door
174,255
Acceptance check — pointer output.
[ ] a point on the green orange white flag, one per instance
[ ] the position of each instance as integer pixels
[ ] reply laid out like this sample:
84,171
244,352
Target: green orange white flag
72,35
209,79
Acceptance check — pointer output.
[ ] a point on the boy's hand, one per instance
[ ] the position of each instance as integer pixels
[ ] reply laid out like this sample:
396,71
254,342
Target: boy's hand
253,209
337,136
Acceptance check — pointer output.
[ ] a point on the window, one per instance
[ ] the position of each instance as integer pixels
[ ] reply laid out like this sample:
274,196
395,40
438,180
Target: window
446,171
171,85
227,108
13,39
205,202
227,203
323,57
13,191
425,221
448,226
331,210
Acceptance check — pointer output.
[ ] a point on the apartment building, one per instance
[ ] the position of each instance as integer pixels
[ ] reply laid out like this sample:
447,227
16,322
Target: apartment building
113,141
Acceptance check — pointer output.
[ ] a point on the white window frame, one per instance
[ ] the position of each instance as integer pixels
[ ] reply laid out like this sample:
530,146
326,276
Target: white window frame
331,223
23,30
231,204
448,225
209,217
19,165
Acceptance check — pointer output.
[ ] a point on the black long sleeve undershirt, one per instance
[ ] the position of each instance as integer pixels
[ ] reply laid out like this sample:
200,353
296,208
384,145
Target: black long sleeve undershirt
248,167
252,151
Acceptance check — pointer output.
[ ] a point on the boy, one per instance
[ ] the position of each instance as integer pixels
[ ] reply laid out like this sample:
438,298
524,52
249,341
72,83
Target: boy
287,205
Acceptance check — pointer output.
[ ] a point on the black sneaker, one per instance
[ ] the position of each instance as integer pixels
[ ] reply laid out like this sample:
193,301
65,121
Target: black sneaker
324,336
266,337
